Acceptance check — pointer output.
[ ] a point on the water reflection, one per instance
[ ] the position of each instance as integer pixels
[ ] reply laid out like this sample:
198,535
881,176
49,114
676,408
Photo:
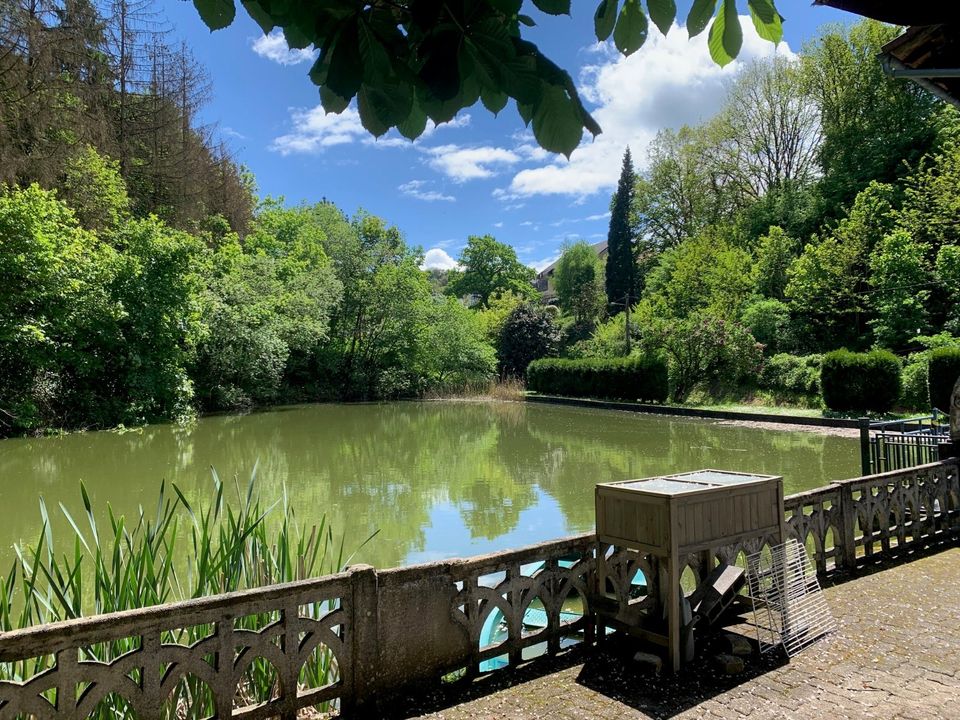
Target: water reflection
437,479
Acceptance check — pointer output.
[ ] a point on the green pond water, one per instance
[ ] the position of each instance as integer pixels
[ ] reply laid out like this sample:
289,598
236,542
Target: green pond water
438,479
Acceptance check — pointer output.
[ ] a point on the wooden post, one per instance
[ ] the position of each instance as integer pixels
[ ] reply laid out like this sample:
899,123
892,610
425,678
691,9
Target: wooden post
626,302
673,590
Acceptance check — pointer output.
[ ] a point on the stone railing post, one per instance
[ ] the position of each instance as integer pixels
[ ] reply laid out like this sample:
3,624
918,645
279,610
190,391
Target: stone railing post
360,698
848,524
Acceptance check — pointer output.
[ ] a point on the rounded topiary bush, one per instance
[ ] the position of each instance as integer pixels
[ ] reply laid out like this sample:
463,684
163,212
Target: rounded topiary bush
860,381
632,378
943,373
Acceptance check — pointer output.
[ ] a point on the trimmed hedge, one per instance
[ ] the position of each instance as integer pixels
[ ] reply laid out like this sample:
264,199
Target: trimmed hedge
944,371
632,378
860,381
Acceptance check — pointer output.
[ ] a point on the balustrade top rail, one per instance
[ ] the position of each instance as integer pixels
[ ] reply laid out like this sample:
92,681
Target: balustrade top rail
375,633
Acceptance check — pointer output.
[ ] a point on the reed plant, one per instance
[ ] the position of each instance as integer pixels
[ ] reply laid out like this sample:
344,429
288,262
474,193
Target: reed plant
176,552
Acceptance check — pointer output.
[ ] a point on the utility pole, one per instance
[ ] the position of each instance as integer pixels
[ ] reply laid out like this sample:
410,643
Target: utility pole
626,302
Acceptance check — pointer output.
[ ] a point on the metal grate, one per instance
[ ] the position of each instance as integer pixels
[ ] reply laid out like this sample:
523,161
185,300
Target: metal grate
789,608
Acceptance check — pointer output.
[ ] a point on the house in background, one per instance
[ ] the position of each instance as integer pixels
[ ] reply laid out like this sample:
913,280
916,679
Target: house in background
543,282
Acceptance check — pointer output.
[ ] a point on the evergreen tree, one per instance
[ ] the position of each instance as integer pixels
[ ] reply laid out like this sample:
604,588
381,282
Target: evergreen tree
621,267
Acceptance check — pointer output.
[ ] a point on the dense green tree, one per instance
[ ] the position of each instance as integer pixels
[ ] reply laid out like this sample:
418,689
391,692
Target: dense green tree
931,201
609,338
93,333
900,280
791,206
874,126
704,273
489,267
529,333
158,286
55,312
827,283
621,268
775,252
768,320
948,278
677,197
263,313
495,314
454,351
413,59
578,278
94,188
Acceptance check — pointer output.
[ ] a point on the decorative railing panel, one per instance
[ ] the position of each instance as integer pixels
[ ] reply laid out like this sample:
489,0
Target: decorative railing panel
518,604
892,511
252,654
815,520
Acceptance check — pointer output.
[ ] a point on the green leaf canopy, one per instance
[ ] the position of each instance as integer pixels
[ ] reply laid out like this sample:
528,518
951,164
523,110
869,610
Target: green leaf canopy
406,61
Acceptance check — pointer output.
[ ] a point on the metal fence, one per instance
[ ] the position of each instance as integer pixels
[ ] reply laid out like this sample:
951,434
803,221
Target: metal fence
901,444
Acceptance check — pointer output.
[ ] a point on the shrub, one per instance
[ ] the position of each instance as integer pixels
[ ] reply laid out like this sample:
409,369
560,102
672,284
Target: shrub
944,371
632,378
703,349
860,381
914,391
529,333
792,374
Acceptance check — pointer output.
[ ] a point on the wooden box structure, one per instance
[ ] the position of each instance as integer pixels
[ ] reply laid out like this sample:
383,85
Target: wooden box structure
674,516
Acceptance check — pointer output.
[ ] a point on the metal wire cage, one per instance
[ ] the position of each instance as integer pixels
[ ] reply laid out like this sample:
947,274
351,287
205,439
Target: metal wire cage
789,608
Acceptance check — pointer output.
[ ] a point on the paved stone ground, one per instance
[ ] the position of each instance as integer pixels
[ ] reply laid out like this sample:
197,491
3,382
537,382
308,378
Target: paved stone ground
896,655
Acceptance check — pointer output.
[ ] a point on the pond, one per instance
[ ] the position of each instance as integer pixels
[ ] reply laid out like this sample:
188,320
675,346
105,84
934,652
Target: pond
438,479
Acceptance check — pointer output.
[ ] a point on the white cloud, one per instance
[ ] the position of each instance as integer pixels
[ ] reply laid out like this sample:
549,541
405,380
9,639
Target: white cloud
460,121
599,216
315,130
437,259
470,163
395,139
274,47
498,224
416,189
669,82
231,133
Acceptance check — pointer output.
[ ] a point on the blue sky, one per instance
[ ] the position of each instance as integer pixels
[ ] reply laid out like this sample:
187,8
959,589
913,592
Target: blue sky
477,174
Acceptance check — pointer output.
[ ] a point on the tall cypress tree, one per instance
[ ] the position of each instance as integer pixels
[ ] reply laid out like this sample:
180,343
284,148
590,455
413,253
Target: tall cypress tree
621,268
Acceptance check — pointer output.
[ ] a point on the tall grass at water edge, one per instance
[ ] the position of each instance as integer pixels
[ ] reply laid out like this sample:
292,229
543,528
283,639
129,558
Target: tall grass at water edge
177,552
